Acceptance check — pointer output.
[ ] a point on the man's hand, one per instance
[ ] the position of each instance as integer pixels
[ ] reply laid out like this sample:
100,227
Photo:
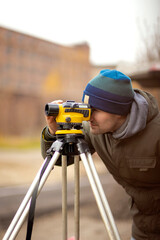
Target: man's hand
51,120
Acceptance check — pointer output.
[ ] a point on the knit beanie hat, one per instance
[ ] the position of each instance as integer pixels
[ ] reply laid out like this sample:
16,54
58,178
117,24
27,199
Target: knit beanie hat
110,91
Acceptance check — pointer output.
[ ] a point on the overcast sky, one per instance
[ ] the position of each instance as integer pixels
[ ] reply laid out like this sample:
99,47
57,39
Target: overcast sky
108,26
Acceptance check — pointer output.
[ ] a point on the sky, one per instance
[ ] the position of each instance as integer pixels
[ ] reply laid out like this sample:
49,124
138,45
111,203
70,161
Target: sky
110,27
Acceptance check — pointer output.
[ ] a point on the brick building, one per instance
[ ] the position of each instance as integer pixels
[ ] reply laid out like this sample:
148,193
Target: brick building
33,72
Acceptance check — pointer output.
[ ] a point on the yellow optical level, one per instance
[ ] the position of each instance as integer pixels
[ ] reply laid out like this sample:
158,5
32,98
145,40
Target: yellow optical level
69,115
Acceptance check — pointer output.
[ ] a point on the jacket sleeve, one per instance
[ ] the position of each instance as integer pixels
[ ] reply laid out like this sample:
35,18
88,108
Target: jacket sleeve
46,141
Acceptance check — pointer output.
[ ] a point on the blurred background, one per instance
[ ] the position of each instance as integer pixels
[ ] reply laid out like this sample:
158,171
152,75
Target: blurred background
50,50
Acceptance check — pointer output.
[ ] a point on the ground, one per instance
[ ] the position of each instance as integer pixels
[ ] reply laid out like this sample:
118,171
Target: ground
49,227
20,168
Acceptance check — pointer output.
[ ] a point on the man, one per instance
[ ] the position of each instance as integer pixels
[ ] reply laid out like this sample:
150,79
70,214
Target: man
124,130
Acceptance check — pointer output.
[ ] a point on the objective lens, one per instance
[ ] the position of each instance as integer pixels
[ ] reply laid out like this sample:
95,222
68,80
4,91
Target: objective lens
52,109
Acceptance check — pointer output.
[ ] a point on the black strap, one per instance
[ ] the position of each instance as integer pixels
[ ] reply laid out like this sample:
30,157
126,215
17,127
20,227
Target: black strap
33,202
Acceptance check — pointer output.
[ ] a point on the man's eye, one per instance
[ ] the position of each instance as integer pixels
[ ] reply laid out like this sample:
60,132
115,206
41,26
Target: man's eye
93,110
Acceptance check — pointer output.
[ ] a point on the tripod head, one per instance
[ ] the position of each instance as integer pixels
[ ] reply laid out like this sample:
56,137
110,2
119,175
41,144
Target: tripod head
69,116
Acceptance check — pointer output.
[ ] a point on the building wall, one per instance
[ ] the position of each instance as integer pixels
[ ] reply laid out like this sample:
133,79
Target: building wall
148,83
145,76
33,72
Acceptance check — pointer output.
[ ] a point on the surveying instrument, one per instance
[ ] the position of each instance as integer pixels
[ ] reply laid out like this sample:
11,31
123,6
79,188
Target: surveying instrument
69,144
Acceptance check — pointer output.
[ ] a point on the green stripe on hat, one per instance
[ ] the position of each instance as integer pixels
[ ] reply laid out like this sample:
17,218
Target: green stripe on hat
121,87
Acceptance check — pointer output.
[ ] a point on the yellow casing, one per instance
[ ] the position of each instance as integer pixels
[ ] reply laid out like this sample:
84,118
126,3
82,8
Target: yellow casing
71,131
75,116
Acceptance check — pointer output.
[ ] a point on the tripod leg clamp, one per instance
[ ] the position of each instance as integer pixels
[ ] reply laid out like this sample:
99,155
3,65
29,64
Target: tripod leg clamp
82,146
56,146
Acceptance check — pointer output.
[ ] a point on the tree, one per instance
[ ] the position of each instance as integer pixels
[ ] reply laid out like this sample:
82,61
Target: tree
150,36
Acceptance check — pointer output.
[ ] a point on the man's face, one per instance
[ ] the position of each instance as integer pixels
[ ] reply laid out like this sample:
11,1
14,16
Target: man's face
103,122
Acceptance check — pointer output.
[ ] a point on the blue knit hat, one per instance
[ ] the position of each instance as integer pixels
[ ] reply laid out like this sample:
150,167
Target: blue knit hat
111,91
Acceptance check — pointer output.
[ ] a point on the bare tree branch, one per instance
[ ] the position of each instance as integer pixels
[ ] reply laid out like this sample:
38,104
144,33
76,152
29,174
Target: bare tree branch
150,37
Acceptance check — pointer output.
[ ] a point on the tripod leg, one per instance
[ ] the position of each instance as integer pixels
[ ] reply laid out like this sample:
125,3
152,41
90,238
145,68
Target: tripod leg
23,204
76,197
103,197
24,207
64,197
97,195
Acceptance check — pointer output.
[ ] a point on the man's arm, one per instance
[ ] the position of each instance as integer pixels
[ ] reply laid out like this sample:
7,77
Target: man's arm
46,141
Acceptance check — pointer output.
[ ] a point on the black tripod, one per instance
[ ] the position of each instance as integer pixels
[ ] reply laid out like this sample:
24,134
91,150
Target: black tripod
66,146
